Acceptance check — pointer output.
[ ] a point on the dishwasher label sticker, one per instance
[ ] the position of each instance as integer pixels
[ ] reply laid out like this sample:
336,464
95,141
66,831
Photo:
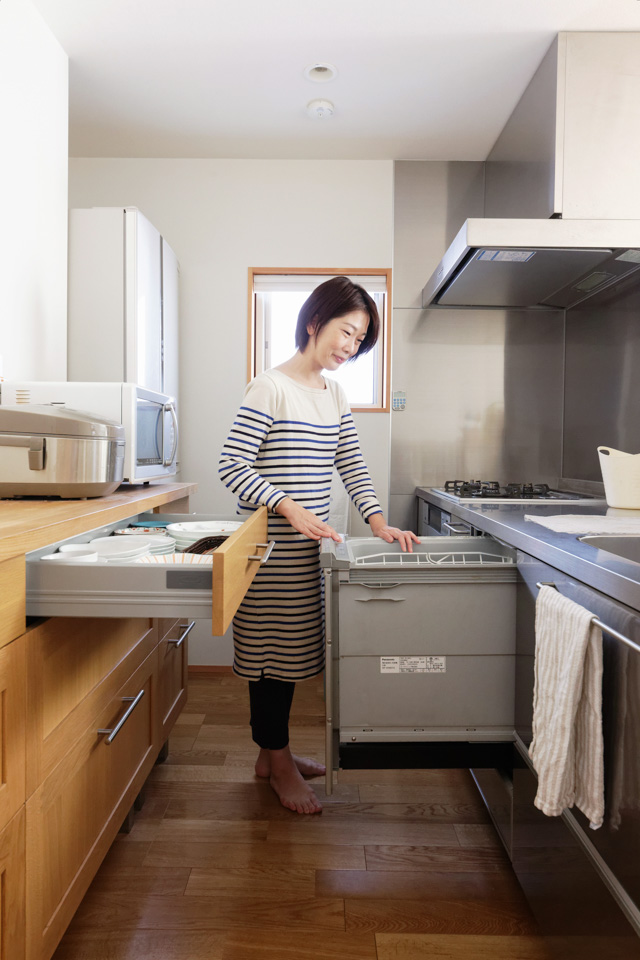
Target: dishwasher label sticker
413,664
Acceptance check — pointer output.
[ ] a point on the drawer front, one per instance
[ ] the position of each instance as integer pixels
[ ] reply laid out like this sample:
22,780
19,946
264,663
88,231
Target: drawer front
12,606
149,589
73,817
172,674
12,894
75,668
473,692
497,793
430,618
12,729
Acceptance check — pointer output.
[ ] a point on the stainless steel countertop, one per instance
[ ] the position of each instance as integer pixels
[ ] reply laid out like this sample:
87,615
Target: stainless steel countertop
603,571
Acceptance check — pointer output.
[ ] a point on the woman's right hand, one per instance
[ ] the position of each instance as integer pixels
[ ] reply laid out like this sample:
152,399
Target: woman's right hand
305,522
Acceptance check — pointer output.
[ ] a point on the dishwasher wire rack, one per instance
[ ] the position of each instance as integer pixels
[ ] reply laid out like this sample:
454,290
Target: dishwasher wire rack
450,557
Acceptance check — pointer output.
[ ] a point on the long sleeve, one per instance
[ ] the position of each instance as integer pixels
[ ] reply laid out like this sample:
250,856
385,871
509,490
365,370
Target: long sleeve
250,428
353,471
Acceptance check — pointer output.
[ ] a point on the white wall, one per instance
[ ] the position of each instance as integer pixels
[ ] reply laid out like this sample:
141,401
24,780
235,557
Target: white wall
33,196
222,217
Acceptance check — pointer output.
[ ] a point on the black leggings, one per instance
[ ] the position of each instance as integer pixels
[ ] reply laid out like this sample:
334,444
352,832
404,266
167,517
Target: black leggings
270,702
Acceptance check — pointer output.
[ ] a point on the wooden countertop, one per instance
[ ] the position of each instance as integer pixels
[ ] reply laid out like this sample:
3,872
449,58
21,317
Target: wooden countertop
27,525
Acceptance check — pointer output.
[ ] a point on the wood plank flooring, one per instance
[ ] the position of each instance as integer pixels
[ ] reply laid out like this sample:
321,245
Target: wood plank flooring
401,865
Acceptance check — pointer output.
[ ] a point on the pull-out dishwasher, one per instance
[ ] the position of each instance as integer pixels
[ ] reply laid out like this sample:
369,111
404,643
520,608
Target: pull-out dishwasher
420,646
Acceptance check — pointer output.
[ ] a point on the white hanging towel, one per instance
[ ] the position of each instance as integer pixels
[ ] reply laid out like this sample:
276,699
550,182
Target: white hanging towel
567,747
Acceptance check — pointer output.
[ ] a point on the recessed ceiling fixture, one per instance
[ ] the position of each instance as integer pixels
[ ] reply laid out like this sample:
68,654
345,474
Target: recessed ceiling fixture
321,72
319,109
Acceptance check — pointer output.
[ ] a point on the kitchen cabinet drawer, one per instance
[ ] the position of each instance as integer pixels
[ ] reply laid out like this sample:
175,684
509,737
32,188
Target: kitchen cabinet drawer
74,815
172,673
427,618
12,889
469,696
496,788
579,906
148,589
12,608
12,729
74,669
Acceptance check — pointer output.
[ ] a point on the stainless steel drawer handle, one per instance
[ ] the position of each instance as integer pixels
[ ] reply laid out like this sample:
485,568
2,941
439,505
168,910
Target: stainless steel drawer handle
457,529
187,628
133,703
265,556
378,599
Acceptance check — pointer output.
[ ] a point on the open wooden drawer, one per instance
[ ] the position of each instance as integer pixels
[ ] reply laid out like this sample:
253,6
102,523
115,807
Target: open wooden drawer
147,589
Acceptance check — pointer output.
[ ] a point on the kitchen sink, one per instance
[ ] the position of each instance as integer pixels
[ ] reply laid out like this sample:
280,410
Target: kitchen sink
626,547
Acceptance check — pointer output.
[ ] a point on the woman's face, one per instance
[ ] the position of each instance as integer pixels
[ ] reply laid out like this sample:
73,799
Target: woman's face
338,340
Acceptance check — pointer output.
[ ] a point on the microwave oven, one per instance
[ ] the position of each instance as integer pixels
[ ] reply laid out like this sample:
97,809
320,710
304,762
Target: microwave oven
149,419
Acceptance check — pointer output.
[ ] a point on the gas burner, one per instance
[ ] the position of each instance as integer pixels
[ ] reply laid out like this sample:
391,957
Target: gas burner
490,490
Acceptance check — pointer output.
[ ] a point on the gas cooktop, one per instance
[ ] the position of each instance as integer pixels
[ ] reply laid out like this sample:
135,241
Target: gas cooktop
490,491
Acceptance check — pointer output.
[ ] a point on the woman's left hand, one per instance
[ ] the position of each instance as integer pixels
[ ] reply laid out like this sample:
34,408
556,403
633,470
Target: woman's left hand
380,528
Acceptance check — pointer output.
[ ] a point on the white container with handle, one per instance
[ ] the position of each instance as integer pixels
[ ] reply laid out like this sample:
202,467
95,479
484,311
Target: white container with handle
621,477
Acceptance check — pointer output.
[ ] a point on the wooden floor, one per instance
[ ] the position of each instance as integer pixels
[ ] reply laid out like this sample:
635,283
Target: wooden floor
401,865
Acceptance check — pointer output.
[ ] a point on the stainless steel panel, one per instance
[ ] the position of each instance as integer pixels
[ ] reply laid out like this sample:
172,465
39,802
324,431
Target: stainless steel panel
484,397
602,126
523,174
602,391
431,201
574,908
617,843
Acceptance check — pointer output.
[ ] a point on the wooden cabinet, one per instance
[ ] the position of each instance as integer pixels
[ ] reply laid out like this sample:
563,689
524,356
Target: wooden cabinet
75,813
12,889
12,599
172,673
12,730
87,702
75,668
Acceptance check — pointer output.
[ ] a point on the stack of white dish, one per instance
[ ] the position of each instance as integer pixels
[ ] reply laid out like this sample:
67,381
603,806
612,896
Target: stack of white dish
158,541
116,550
187,533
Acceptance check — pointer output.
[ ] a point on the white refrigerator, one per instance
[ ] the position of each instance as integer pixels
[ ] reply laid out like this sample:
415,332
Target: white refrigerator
123,300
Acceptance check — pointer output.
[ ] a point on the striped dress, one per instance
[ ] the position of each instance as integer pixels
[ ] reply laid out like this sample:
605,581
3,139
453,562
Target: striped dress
285,442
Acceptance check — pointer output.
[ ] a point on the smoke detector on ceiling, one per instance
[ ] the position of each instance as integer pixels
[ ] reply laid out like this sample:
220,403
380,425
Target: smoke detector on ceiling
320,109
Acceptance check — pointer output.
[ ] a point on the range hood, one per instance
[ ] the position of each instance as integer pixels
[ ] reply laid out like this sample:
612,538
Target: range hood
550,263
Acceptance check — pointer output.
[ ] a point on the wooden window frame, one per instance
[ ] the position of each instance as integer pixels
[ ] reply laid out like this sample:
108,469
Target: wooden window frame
384,342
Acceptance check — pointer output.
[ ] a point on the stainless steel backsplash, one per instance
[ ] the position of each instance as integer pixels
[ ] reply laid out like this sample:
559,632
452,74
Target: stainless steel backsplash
602,379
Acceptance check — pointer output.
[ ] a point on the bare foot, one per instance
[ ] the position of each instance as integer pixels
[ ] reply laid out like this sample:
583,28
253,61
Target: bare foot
306,765
287,781
294,792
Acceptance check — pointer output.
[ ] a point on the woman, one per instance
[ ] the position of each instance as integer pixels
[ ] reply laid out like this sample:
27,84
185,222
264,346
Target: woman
294,426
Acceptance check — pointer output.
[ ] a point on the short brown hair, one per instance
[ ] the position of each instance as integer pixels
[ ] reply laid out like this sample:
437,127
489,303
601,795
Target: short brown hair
335,298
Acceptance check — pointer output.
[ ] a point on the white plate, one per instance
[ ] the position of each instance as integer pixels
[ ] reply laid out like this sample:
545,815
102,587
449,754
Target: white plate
202,528
184,558
113,548
77,556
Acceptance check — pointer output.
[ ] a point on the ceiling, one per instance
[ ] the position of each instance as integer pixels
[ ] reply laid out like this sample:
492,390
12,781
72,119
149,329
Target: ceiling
417,79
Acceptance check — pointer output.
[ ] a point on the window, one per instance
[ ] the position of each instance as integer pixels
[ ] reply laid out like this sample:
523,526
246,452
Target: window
275,297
